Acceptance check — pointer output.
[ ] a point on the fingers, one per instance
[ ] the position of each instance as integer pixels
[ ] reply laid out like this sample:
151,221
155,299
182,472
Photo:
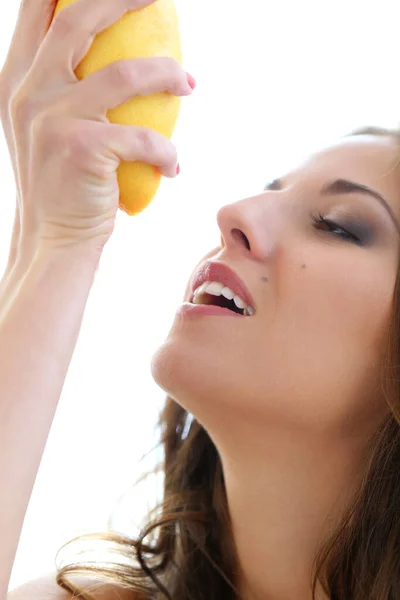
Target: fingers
71,35
120,81
33,21
138,144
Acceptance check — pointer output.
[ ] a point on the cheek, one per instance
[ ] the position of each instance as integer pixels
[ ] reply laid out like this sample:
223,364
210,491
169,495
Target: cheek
350,307
321,343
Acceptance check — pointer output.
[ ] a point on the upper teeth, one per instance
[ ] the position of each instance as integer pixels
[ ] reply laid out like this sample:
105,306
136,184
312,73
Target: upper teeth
219,289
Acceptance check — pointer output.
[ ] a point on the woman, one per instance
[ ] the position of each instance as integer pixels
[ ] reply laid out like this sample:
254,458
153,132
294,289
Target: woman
282,464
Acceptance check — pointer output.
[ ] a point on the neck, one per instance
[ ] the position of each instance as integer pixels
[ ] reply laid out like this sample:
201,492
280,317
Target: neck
286,494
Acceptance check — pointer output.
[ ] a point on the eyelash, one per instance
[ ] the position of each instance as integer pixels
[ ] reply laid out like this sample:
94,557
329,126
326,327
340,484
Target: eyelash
345,235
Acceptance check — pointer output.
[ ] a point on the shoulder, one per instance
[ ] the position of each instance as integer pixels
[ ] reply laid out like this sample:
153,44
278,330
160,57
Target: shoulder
47,588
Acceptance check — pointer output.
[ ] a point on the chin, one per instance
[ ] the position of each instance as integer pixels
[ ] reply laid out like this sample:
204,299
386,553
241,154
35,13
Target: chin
180,369
194,375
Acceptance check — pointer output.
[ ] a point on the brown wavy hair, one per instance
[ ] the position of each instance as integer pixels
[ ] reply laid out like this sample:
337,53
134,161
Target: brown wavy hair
190,552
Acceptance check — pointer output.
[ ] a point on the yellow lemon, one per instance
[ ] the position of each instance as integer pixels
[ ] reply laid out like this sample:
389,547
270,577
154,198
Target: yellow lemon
149,31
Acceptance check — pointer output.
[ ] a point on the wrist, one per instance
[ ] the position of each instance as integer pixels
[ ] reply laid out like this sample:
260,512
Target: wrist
78,241
78,258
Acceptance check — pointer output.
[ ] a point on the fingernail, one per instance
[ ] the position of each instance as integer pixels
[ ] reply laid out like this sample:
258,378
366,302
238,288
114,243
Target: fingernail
178,169
191,81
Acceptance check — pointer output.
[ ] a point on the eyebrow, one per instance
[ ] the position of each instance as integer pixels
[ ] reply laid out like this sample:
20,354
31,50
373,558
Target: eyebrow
344,186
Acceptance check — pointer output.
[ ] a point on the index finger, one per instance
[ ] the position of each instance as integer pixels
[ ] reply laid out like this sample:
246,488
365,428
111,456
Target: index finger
33,22
72,32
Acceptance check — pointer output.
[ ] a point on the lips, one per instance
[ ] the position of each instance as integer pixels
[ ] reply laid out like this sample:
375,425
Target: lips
218,271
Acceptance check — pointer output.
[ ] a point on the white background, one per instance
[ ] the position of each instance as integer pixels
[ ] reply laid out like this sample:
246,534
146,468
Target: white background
275,81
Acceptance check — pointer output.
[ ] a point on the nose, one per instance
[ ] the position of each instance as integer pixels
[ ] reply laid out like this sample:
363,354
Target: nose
246,228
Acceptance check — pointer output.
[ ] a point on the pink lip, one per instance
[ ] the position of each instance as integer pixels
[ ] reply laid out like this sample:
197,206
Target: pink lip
218,271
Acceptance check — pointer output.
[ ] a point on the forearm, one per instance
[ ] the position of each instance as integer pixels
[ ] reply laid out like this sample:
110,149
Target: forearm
39,328
11,281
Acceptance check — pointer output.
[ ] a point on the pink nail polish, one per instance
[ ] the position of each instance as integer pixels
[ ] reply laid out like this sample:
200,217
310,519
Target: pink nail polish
192,82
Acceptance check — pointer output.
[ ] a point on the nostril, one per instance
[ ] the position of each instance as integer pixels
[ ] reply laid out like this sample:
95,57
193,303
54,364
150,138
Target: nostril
238,234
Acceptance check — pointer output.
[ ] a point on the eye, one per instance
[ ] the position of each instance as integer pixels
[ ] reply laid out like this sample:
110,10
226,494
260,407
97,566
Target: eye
335,226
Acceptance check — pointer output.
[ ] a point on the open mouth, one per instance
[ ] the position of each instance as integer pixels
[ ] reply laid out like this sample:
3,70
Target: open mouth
206,298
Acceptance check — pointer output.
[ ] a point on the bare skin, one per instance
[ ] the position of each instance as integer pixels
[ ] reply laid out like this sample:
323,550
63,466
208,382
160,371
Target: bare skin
290,396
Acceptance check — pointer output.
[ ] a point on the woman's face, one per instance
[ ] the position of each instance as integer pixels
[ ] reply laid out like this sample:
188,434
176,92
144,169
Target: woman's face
309,358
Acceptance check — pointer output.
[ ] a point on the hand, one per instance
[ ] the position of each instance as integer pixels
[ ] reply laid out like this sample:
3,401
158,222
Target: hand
64,151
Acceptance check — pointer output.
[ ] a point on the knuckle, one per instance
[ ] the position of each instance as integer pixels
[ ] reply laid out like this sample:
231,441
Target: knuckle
67,23
22,106
128,72
53,135
81,139
44,128
74,139
63,22
147,139
157,146
122,73
83,148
